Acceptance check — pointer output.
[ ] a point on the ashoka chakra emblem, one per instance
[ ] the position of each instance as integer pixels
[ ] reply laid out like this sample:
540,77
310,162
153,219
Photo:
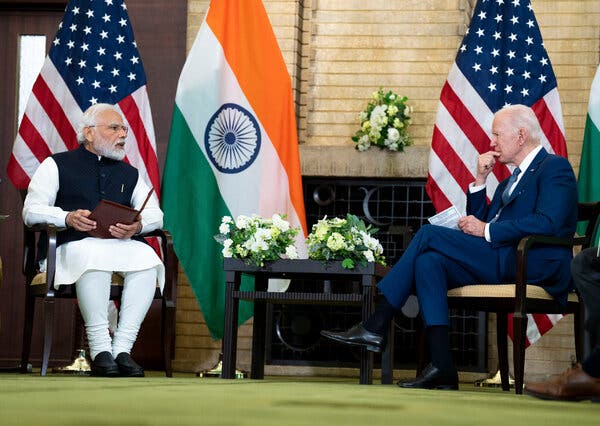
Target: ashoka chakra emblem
232,138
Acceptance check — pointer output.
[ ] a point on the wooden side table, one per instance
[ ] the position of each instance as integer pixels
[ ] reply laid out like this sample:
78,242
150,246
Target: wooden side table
367,276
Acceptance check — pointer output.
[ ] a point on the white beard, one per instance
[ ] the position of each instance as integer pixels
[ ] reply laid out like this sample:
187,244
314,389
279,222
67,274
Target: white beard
112,152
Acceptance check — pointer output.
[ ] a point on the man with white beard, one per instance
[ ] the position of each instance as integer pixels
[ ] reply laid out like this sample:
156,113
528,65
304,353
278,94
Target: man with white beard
64,190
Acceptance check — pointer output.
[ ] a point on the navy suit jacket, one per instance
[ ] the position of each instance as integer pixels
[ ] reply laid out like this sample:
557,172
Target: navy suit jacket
544,202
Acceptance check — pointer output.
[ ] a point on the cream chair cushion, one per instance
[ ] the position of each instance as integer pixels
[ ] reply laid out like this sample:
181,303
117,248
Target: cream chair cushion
40,279
503,291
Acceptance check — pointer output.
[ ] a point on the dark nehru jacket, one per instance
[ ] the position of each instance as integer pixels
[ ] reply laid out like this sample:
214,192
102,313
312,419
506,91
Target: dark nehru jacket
84,180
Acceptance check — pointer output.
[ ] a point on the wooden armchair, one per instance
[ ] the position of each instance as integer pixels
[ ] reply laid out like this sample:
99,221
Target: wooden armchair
41,285
520,299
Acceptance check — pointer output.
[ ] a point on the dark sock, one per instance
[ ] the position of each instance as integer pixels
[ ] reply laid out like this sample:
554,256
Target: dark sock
591,365
439,346
379,321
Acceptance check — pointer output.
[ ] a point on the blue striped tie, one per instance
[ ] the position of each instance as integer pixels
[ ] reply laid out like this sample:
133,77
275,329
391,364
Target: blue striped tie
511,180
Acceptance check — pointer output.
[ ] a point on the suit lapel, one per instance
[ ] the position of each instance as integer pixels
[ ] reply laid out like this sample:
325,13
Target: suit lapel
528,174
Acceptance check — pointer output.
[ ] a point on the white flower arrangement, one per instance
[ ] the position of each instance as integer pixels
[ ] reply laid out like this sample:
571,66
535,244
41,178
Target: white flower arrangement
348,240
384,123
257,240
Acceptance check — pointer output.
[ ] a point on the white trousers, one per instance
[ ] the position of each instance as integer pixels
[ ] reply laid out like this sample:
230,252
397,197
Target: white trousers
93,293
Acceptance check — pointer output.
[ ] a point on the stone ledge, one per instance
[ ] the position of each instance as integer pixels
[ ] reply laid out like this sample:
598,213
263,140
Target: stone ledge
345,161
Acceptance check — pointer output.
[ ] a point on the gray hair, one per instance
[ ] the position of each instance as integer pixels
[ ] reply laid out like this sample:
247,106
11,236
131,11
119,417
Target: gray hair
523,116
90,116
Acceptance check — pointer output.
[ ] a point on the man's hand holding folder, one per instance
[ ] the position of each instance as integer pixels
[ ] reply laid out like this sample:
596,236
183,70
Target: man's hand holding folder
114,220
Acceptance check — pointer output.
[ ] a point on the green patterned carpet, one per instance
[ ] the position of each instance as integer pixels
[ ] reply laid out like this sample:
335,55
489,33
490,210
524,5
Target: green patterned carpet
188,400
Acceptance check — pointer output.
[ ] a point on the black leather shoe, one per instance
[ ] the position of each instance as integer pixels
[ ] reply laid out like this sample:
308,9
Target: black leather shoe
358,336
433,378
127,366
104,365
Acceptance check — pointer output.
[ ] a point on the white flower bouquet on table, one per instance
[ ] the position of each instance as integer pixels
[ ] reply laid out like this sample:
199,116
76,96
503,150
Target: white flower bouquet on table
384,123
257,240
348,240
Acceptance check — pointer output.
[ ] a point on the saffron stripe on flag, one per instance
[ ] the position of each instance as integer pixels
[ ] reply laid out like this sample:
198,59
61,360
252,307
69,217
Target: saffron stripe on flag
256,81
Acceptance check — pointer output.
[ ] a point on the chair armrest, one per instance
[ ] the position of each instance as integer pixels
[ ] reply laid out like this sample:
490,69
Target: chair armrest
29,250
523,248
171,263
30,268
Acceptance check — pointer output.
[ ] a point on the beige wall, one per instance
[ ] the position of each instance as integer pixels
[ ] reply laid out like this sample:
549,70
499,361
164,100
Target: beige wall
339,51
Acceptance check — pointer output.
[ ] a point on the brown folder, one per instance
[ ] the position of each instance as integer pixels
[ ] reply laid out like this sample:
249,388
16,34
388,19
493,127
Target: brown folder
109,213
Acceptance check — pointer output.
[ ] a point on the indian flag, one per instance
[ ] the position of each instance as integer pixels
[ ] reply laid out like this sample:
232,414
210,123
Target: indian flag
233,147
589,169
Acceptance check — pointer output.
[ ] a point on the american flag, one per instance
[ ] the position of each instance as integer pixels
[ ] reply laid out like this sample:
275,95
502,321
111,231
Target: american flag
93,59
501,61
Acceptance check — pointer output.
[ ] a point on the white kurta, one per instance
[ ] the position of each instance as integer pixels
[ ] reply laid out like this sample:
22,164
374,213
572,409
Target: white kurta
76,257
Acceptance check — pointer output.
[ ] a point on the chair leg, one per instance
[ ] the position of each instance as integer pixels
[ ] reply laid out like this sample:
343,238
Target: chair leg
168,337
421,346
501,336
27,332
579,332
48,330
387,358
519,330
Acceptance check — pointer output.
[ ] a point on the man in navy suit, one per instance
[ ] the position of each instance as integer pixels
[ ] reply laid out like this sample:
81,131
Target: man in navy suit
539,198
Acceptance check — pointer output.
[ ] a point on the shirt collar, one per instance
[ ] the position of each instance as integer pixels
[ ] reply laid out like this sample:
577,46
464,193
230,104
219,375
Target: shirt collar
529,158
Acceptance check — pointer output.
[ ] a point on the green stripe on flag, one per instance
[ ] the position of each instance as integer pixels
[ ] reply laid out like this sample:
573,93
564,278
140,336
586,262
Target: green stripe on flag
193,209
589,172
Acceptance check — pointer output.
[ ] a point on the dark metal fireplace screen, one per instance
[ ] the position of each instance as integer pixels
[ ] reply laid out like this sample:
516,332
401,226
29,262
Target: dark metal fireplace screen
398,208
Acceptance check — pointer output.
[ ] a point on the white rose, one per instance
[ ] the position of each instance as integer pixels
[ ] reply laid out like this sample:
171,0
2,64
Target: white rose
242,221
369,256
393,134
224,228
282,225
379,117
262,234
227,252
291,253
363,146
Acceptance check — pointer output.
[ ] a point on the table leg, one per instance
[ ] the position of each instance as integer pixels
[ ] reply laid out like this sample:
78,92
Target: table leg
230,329
259,328
366,357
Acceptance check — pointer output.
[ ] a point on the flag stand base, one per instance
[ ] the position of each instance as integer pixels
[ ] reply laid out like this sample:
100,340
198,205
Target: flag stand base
494,381
217,369
79,366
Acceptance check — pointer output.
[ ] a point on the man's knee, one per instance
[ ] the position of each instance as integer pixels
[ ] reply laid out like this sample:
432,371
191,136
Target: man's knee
428,260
